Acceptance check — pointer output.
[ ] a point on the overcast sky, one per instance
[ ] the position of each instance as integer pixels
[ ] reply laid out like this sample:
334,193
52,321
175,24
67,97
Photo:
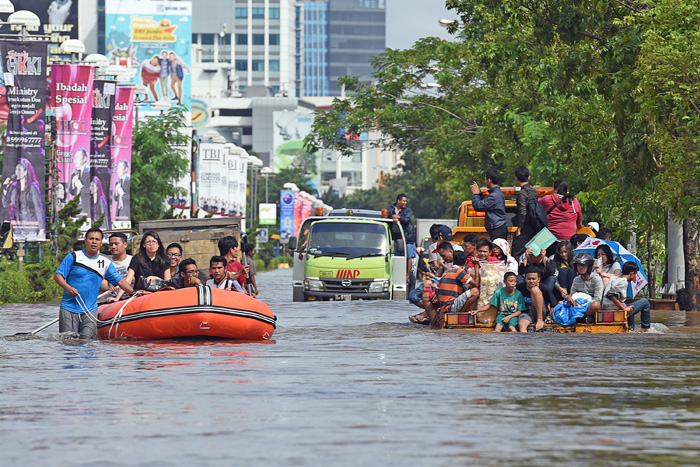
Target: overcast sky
409,20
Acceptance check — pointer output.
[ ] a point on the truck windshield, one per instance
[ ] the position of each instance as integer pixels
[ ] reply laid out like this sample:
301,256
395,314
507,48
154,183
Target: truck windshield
348,239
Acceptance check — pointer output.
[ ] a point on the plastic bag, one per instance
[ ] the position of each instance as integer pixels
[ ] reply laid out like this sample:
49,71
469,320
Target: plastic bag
491,280
566,315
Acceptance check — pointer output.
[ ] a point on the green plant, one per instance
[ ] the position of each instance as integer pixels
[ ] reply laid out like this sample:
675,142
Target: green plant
274,262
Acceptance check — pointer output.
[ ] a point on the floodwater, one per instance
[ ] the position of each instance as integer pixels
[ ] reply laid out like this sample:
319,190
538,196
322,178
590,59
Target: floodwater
351,384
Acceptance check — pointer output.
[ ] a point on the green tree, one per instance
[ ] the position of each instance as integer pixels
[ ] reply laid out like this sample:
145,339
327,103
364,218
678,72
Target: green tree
568,88
160,158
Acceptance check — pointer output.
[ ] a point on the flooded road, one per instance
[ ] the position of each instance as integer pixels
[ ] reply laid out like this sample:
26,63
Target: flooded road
351,384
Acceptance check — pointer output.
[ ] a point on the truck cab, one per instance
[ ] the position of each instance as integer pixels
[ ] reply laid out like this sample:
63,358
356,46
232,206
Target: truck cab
349,256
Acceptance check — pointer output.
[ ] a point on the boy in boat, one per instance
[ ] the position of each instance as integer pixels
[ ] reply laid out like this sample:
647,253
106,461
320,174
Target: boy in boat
456,291
538,300
588,283
188,275
617,289
509,303
219,278
80,275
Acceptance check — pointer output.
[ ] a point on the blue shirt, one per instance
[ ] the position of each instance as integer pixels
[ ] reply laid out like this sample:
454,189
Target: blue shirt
85,274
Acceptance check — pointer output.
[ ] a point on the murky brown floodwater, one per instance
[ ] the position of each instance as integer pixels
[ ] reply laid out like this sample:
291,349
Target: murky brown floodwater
351,384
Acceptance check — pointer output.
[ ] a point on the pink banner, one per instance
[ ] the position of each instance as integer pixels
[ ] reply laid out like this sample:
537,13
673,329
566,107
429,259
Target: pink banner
306,209
122,134
71,103
297,210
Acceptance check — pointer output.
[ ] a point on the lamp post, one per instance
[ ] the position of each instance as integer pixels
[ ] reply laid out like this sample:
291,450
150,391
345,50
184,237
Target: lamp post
266,172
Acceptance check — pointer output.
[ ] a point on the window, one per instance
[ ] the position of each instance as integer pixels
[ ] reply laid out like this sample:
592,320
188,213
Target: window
274,65
237,112
207,39
226,40
241,39
241,65
274,39
241,13
258,13
258,39
274,13
258,65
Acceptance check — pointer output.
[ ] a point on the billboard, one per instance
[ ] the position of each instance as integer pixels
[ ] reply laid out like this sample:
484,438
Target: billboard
24,77
153,40
59,19
288,141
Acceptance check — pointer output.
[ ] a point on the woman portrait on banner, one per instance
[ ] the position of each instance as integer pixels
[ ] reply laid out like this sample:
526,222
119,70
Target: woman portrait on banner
150,73
98,204
21,196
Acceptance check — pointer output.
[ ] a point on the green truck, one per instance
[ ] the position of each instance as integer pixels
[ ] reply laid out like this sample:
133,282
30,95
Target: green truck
349,255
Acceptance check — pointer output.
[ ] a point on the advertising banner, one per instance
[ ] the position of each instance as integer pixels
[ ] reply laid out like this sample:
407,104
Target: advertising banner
71,103
242,187
238,194
232,193
24,77
100,151
211,165
223,183
291,128
307,208
286,214
120,173
59,19
268,214
153,40
298,204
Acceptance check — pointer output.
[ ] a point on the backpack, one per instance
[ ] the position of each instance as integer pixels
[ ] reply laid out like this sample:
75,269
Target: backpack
536,214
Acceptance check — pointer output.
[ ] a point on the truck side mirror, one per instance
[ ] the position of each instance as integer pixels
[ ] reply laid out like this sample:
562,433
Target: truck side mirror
293,243
400,246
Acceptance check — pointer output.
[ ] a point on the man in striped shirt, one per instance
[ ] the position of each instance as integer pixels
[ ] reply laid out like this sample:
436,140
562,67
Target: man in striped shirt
456,290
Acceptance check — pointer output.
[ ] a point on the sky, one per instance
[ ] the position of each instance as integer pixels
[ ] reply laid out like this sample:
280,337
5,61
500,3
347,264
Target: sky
409,20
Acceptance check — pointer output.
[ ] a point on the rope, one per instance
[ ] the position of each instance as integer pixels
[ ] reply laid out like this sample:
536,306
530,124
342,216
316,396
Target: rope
118,316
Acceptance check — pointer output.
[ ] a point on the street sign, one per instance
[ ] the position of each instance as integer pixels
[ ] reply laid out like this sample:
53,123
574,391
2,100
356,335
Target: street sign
284,237
262,236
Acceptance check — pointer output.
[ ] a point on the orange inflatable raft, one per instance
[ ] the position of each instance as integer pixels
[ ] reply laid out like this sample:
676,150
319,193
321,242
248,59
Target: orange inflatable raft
190,312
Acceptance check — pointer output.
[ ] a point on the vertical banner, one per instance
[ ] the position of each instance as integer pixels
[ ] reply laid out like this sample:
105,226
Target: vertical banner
223,182
242,186
286,214
209,176
153,40
298,204
307,208
59,20
71,103
24,77
120,180
232,177
100,152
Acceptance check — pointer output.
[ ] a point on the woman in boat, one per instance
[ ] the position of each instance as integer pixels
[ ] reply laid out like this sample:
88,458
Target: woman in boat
560,269
606,266
500,251
563,211
149,264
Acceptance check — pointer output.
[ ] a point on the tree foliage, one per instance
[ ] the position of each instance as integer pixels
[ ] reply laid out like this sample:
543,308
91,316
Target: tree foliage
160,158
604,94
